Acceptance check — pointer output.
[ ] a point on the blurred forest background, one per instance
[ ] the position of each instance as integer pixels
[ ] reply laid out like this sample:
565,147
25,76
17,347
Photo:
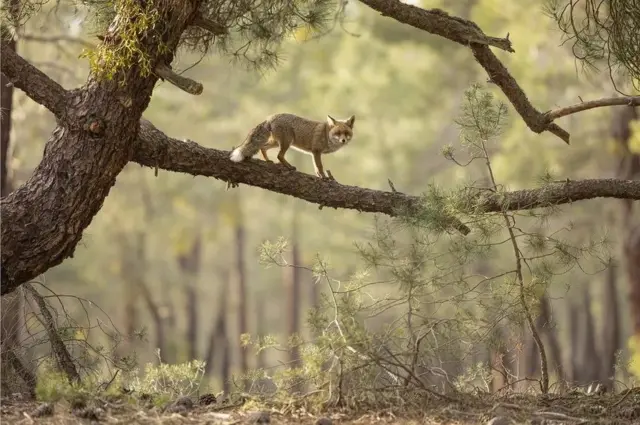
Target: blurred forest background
176,263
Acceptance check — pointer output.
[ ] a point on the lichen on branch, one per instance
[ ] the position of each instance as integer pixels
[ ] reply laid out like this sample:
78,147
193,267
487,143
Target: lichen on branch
122,46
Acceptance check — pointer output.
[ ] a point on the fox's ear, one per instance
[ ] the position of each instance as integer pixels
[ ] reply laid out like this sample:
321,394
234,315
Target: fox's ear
351,120
331,121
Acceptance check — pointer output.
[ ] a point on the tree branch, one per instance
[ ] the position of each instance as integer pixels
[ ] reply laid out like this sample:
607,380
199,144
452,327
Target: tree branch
154,149
209,25
438,22
468,34
499,75
183,83
37,85
56,39
591,104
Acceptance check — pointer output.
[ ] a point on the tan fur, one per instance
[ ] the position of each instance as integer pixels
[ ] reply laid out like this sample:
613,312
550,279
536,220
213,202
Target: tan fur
287,130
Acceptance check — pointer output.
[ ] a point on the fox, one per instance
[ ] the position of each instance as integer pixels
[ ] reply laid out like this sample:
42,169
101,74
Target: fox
286,131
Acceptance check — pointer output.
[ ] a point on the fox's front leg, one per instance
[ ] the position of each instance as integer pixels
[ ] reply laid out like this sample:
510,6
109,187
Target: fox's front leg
317,165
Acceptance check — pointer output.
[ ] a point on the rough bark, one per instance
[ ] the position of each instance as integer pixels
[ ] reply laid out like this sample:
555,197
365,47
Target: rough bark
97,125
155,149
11,309
6,102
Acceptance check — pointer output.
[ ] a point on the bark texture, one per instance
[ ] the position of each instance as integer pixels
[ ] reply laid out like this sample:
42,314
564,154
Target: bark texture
97,125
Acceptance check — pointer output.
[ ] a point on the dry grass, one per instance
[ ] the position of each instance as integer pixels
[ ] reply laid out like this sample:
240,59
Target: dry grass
621,408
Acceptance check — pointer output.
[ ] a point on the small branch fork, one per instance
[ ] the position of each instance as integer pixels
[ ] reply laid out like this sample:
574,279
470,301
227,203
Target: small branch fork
185,84
468,34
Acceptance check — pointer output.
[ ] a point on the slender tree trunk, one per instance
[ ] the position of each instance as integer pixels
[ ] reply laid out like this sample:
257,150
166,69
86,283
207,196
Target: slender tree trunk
574,331
591,360
241,285
130,277
292,283
555,352
610,329
190,266
6,102
262,331
218,338
292,288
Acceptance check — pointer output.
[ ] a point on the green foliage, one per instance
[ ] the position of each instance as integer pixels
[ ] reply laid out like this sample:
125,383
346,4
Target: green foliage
602,32
134,20
252,30
257,28
169,381
53,385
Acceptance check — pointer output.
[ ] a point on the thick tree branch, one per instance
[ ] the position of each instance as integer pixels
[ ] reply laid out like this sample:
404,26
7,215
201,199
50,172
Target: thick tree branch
37,85
154,149
467,33
591,104
438,22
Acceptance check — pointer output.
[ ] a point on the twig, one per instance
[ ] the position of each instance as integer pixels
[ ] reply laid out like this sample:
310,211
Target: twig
591,104
55,39
57,346
209,25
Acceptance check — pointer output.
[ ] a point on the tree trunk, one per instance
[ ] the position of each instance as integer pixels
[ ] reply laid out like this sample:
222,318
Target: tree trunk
190,266
97,126
292,288
262,332
132,262
292,283
6,102
11,309
591,359
241,286
574,335
218,339
629,169
610,329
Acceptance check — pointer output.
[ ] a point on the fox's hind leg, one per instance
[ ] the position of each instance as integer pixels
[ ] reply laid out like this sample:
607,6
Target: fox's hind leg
269,145
284,140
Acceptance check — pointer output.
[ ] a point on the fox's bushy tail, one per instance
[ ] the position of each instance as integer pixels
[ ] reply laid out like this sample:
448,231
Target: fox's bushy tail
257,138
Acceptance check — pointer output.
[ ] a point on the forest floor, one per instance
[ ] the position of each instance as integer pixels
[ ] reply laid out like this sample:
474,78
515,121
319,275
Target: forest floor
621,408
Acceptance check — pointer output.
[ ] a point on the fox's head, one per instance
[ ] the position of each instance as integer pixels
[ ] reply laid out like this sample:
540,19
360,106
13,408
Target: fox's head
340,131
